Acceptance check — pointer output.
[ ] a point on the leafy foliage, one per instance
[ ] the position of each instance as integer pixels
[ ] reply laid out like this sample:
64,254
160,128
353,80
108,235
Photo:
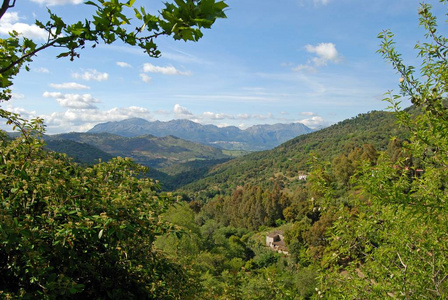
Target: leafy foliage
392,243
69,231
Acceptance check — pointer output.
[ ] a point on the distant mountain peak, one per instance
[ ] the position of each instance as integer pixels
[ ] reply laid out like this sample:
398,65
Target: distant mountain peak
257,137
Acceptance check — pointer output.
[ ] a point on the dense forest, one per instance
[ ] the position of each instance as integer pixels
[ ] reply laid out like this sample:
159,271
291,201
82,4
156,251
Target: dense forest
360,206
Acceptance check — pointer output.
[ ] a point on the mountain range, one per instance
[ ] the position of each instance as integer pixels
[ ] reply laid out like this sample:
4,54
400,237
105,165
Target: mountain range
255,138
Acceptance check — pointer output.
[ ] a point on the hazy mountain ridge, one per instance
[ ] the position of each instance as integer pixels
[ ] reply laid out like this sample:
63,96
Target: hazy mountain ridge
255,138
149,150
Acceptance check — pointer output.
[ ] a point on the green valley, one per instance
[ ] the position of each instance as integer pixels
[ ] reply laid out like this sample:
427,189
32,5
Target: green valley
355,210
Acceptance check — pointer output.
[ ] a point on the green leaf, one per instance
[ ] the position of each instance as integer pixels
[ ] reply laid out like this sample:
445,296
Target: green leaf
64,54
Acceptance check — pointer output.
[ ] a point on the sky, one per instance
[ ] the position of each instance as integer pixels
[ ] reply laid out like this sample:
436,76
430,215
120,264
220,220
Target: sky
285,61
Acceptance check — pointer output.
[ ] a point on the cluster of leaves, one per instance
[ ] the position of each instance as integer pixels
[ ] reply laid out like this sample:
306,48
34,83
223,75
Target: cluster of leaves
74,232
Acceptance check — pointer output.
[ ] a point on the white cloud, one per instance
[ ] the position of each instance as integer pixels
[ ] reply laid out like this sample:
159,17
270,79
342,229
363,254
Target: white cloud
179,110
10,17
307,113
85,119
183,57
79,116
307,68
78,119
42,70
58,2
243,116
315,2
77,101
18,96
74,101
69,86
313,122
321,2
169,70
27,115
91,75
325,53
262,117
52,94
123,64
145,78
216,116
10,22
23,112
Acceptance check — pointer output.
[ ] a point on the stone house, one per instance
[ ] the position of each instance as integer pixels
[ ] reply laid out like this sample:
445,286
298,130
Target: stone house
276,241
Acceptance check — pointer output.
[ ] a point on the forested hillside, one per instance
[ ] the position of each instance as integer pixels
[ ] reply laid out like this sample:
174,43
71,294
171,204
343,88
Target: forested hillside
156,152
284,164
80,152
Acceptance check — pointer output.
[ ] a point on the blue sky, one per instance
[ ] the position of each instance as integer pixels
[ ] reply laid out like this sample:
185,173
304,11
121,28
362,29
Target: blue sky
309,61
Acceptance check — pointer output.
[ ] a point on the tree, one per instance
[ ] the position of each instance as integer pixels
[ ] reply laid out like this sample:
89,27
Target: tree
72,232
68,231
394,243
112,21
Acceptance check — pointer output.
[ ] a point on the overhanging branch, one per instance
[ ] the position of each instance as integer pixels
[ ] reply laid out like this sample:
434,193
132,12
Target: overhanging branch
27,55
6,4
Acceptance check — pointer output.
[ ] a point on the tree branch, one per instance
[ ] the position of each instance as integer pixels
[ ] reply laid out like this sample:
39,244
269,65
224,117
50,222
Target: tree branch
27,55
5,7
